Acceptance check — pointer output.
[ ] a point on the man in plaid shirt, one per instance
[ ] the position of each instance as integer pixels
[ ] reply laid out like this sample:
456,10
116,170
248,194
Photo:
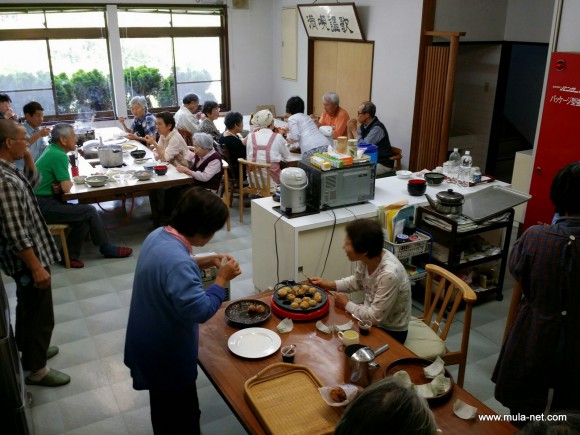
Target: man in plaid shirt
27,250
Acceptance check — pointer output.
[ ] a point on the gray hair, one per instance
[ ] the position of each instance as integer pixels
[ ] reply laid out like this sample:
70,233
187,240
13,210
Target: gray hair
203,140
139,100
59,131
332,97
387,404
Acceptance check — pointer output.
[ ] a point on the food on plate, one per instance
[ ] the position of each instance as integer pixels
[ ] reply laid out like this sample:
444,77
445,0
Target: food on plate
304,305
312,290
296,288
317,297
299,300
305,287
283,292
295,305
338,394
256,309
291,297
312,303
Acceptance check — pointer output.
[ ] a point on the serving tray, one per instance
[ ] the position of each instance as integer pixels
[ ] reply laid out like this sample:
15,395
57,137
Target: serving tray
286,400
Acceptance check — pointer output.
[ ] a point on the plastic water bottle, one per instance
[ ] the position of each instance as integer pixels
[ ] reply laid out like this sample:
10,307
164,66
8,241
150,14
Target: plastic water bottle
455,160
455,157
465,169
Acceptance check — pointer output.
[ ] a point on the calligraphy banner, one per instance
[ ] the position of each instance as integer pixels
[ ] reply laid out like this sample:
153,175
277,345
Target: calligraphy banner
331,21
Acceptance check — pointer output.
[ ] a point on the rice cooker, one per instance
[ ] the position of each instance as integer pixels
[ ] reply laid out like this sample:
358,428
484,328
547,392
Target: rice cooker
293,183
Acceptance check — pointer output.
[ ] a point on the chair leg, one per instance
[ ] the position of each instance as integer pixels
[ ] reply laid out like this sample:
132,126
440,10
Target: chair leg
241,200
461,374
62,234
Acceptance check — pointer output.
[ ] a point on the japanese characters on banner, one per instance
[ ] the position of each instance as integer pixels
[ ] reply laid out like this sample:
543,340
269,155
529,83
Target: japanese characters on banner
569,96
331,21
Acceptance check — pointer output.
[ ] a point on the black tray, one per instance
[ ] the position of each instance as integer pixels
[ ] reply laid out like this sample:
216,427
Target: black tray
237,313
285,304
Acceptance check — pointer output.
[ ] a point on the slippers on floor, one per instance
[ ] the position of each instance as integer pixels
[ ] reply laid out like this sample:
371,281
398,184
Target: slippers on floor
53,378
76,264
110,251
52,351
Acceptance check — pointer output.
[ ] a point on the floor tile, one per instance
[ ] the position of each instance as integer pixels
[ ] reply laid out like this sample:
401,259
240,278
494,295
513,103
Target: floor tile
115,369
100,304
127,398
107,321
110,426
110,343
47,419
138,422
87,408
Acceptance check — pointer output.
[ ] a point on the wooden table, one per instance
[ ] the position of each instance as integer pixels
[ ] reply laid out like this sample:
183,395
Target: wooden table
323,354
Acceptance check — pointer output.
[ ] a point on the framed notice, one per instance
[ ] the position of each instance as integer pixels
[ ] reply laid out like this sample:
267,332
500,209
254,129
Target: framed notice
331,21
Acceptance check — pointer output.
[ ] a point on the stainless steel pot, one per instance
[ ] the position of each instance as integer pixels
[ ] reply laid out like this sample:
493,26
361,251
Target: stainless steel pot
110,156
84,135
448,202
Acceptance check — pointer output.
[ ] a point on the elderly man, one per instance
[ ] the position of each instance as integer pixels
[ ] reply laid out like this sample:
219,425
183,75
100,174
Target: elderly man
333,115
372,131
35,134
83,218
143,123
186,117
26,252
6,111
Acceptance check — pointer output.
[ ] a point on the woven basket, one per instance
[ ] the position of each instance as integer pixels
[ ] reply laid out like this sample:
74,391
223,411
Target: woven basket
286,400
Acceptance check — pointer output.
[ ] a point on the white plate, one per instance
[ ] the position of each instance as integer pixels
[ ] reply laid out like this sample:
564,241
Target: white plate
254,342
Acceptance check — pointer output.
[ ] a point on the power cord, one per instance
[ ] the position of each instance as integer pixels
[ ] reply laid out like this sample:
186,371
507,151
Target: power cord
330,244
276,249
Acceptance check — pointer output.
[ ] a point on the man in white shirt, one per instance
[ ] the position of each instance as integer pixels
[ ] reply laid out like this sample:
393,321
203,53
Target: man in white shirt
186,117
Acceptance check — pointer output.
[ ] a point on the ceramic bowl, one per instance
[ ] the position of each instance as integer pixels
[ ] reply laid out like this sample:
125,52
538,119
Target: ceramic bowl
403,174
160,170
138,154
143,175
416,187
434,178
96,180
79,179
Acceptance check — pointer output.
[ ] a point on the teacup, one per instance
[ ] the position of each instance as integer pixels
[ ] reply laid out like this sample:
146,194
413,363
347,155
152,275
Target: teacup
348,337
79,179
364,326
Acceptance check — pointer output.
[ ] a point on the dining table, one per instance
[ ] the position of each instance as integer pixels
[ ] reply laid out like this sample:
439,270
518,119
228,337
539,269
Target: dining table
323,354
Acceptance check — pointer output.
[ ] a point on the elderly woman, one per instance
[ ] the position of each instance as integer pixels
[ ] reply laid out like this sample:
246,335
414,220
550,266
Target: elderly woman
212,112
143,123
236,147
167,306
206,168
302,131
265,146
171,146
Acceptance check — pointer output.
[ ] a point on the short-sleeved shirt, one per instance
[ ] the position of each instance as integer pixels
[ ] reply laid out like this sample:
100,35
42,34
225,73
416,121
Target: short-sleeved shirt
144,126
53,167
36,148
339,122
185,120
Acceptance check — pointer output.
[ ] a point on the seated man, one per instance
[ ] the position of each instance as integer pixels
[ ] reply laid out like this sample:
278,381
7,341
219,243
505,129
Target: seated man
53,166
35,134
379,274
333,115
6,111
372,131
186,117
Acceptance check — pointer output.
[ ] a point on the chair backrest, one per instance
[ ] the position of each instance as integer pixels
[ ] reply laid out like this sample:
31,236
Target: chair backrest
444,293
269,107
258,176
397,156
187,136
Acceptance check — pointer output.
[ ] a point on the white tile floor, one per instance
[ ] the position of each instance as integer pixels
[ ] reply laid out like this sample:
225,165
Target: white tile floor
91,307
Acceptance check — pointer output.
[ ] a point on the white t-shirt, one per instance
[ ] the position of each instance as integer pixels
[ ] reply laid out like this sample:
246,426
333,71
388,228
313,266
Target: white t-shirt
304,132
185,120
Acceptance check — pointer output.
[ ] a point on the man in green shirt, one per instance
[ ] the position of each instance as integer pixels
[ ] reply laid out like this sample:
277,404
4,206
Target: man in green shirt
53,166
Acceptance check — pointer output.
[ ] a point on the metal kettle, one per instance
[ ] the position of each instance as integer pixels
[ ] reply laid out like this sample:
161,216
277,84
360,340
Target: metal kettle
360,363
447,203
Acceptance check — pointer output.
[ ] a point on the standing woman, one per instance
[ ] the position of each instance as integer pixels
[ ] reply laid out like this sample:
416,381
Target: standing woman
167,306
302,131
143,123
171,147
212,112
206,168
537,369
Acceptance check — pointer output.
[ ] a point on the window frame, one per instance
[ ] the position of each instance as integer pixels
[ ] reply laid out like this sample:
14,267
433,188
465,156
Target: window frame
118,88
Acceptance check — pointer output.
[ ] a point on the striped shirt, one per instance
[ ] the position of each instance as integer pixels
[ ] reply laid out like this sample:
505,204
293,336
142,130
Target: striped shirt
21,224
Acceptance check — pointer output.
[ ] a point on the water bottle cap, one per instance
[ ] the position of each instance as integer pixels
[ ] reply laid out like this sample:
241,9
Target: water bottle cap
467,153
455,150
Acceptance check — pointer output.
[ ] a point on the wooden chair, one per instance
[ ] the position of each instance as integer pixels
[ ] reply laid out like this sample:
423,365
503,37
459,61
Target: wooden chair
225,192
427,335
59,230
396,157
233,189
271,108
187,136
258,175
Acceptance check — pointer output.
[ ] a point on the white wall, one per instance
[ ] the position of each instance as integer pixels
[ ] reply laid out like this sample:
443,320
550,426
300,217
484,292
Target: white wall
569,32
394,26
529,20
482,20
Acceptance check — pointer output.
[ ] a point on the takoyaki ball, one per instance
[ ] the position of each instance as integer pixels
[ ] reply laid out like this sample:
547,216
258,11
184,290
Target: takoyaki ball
252,308
290,297
318,297
296,289
306,298
260,309
302,291
304,305
312,290
295,305
283,292
305,287
299,300
312,303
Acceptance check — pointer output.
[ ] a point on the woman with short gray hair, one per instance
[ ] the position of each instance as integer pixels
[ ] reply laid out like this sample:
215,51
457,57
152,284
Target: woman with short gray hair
143,121
206,168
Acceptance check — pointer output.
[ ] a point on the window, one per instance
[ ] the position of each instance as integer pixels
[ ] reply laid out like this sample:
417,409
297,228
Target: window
63,57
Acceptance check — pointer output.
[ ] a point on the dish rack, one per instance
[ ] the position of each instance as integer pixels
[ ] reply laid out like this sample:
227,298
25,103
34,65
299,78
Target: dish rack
405,251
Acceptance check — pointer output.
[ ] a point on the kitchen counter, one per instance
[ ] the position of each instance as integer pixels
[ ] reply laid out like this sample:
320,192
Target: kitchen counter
286,248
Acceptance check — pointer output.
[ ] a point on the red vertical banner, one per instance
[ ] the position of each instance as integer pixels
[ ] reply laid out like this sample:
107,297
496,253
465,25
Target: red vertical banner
559,138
